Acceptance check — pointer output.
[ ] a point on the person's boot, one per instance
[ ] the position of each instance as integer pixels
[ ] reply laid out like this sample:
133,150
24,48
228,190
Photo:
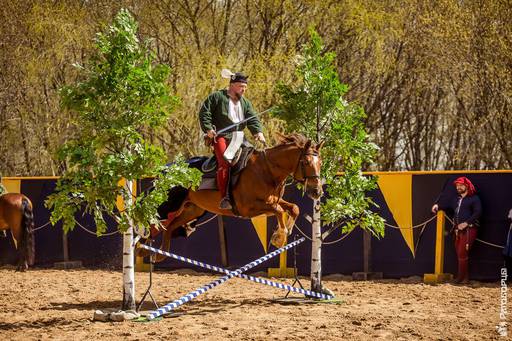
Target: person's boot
225,202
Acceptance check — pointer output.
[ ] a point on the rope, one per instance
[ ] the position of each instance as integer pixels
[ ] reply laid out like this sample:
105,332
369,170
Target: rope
114,232
40,227
338,240
480,240
324,243
207,221
419,237
490,244
303,234
412,227
423,225
201,223
94,233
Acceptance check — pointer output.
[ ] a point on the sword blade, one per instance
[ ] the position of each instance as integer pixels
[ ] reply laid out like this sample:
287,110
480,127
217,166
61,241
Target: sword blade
243,121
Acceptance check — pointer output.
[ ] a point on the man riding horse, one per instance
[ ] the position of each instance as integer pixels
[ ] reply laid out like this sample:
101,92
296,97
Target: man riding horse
222,109
259,187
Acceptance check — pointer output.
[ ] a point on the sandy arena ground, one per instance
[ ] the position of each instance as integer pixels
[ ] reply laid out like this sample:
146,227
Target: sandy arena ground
47,304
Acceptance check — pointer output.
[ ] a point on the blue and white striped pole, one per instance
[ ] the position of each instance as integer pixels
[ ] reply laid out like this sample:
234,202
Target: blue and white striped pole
190,296
248,277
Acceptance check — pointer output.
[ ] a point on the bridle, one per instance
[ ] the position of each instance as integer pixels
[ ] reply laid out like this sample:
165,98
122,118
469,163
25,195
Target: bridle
301,165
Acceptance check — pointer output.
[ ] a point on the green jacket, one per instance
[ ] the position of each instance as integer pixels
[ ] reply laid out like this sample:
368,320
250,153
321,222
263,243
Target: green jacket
214,112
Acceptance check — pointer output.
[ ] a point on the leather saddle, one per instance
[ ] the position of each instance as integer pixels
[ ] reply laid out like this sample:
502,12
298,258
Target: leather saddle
208,166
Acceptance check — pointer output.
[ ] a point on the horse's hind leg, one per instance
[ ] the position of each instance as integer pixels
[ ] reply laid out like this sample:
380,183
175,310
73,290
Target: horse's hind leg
190,212
17,235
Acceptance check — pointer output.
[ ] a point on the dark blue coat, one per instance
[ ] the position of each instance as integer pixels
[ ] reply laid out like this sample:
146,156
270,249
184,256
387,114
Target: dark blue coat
469,212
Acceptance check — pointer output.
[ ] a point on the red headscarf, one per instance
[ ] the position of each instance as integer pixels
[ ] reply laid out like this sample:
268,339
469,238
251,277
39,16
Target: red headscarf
465,181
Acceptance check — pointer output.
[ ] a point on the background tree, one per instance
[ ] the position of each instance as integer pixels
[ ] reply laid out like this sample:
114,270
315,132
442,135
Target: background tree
315,107
121,93
433,77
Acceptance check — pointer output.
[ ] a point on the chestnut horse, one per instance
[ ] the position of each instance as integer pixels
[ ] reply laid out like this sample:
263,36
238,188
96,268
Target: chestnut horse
16,214
259,189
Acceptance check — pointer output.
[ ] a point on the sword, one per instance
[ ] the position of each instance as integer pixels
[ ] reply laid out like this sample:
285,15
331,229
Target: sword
243,121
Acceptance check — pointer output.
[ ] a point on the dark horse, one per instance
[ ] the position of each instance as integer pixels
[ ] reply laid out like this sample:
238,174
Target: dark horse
16,214
259,189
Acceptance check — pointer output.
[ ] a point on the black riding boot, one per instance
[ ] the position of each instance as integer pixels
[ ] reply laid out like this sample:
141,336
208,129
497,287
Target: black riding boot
225,202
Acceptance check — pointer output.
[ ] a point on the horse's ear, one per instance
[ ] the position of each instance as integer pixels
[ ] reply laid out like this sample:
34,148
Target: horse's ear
320,145
280,137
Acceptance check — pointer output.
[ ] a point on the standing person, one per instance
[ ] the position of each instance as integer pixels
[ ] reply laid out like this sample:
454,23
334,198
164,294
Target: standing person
221,109
467,210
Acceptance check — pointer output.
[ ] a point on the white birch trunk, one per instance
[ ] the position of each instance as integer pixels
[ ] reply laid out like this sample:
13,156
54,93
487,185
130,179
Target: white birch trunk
316,249
128,261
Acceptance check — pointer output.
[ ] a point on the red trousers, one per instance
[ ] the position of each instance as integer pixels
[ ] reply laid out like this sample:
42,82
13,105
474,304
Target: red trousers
222,165
463,241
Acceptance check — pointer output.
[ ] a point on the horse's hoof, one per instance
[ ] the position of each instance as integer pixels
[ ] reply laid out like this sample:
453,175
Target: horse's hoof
159,258
278,240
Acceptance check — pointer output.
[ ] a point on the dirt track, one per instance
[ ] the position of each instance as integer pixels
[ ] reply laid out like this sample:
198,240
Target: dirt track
44,304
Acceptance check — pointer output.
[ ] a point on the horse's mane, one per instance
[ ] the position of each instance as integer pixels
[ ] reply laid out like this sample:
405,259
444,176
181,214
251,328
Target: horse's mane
298,139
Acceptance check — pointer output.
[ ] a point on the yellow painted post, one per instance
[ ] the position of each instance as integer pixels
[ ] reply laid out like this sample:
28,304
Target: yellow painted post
12,185
140,266
283,270
438,276
439,261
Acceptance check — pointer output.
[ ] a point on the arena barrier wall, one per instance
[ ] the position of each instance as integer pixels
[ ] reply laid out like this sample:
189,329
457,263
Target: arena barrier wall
404,199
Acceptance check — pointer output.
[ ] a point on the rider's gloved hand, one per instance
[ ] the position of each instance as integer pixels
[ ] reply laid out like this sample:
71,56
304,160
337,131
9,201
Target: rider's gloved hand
260,137
209,137
211,133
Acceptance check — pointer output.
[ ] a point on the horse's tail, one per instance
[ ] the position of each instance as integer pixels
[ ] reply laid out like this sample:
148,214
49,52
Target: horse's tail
27,245
175,198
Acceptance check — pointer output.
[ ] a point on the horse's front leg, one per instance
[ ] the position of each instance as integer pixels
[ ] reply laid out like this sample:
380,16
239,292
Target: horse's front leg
280,235
293,212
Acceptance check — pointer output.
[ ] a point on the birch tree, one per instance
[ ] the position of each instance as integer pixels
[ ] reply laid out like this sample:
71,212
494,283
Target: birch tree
315,107
122,92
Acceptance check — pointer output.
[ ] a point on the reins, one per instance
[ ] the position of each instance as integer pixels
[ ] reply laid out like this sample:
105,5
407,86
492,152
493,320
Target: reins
301,162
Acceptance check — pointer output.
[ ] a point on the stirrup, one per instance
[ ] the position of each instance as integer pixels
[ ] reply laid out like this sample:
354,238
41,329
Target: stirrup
225,204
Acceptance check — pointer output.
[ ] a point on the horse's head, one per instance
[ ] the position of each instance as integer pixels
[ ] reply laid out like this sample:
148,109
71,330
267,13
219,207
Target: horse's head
308,169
